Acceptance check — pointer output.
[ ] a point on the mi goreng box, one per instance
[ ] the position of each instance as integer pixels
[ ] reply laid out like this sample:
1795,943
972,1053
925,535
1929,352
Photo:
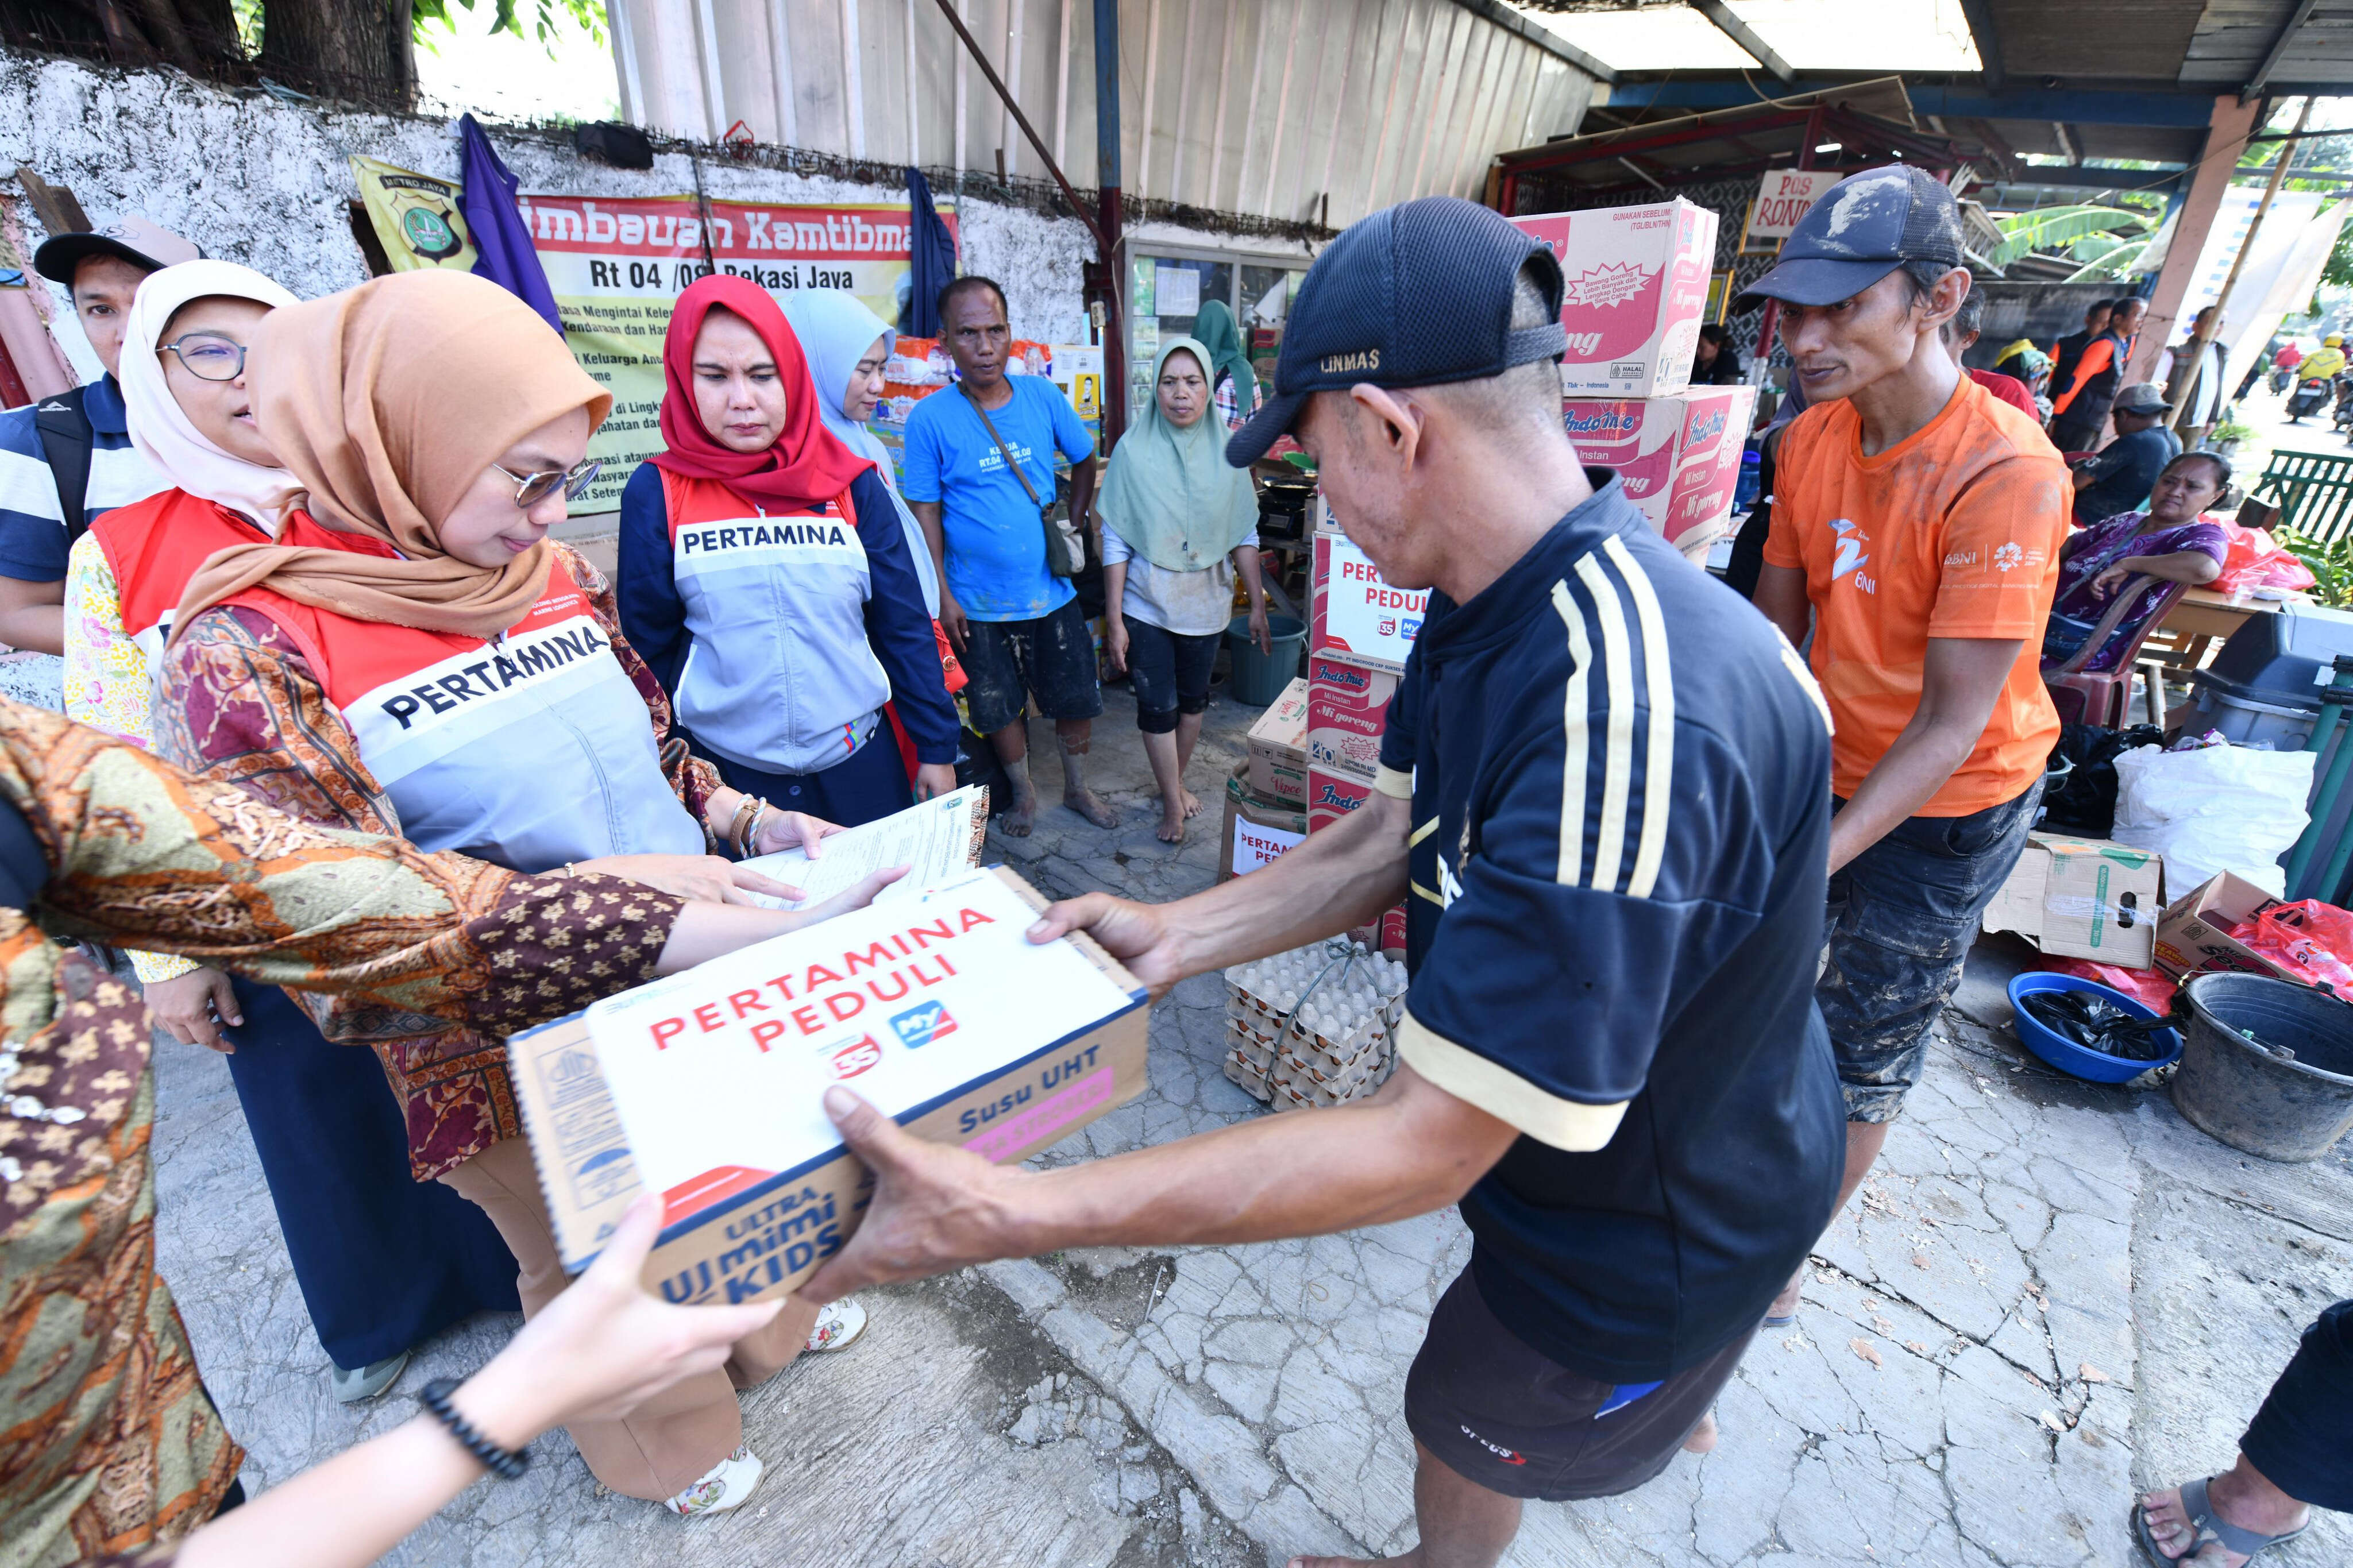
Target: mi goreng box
706,1086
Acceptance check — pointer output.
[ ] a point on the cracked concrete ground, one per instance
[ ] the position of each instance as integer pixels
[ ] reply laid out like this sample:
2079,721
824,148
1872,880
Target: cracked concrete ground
2050,1294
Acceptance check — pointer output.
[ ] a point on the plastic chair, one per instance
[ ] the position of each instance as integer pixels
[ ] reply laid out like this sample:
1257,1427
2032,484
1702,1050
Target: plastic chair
2104,697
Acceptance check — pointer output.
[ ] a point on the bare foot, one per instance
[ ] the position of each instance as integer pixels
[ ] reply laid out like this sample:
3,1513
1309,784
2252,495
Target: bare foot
1086,805
1192,802
1171,825
1015,820
1703,1436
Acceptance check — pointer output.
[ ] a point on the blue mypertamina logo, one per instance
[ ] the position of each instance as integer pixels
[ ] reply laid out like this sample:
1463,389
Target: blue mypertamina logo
920,1025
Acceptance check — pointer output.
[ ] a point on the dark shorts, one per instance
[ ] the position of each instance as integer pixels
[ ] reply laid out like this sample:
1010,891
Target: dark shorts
2301,1438
1902,916
1512,1420
1051,658
1169,673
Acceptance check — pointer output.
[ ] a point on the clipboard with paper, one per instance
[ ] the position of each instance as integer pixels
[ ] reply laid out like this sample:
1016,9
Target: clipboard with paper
936,839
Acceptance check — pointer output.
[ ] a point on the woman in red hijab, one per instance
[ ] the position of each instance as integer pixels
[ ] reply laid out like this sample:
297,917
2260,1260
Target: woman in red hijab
765,577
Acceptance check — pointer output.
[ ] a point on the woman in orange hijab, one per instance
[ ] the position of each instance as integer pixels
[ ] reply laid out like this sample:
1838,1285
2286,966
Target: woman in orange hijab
412,655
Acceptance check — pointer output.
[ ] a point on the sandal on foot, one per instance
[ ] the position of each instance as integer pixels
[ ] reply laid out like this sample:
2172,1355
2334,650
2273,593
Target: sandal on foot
2207,1528
837,1323
727,1485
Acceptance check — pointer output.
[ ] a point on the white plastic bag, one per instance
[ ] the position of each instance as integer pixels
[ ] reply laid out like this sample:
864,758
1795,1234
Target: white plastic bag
2219,808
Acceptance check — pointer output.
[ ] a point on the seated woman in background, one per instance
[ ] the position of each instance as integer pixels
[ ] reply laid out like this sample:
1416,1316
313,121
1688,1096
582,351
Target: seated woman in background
1715,362
2172,542
382,1261
1176,519
413,654
767,576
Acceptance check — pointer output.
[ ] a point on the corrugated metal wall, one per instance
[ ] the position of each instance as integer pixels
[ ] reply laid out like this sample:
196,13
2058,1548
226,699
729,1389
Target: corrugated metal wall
1263,107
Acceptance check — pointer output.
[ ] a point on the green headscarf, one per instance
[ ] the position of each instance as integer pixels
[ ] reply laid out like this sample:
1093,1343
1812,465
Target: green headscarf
1216,331
1168,491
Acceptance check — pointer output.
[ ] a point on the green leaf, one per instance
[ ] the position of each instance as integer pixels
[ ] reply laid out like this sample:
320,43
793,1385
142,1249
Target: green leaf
2051,228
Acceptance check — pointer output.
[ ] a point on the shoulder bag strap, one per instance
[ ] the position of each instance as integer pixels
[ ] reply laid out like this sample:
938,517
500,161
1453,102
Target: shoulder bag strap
67,441
990,425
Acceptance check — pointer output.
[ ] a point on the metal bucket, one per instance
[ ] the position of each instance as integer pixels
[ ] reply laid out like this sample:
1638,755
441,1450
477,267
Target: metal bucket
2282,1107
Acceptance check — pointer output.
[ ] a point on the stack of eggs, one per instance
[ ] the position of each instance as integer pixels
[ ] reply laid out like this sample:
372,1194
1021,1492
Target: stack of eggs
1313,1026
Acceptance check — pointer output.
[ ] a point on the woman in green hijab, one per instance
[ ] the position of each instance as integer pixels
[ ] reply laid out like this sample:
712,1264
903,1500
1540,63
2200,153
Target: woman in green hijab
1233,385
1176,522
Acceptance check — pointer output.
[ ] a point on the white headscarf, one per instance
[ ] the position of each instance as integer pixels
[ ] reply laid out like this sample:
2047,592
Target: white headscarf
836,329
160,429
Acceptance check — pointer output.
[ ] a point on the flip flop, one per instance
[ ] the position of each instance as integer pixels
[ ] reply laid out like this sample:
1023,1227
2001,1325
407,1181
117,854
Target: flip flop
2207,1529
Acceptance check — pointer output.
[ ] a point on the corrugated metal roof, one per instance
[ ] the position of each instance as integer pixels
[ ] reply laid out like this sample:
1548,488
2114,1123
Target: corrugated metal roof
1283,109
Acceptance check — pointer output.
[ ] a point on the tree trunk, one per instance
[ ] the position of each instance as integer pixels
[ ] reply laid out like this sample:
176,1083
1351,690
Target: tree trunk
348,49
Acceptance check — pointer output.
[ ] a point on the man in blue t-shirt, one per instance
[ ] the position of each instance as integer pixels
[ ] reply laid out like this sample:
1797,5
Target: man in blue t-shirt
1015,626
78,441
1604,792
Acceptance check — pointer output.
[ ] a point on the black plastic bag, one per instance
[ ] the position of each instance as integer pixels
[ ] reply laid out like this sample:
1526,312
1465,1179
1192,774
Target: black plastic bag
623,146
2097,1024
2084,799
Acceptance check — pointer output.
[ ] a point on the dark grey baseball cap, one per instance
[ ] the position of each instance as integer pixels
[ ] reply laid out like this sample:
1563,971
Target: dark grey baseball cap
1416,295
1863,228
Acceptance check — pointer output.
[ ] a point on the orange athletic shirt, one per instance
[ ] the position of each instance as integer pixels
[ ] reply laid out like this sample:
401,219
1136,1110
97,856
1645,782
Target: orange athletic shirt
1952,533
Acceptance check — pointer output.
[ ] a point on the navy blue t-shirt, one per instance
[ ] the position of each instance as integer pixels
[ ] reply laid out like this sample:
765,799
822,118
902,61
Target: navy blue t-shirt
1619,775
32,519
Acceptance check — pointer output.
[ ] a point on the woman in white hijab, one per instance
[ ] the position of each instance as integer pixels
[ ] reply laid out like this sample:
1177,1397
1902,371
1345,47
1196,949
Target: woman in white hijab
382,1261
846,345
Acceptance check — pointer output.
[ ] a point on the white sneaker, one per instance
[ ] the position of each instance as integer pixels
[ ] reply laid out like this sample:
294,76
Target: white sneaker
730,1482
837,1323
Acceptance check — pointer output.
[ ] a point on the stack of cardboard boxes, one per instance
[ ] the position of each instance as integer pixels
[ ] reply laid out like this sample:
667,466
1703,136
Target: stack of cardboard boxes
1266,798
1359,631
1636,294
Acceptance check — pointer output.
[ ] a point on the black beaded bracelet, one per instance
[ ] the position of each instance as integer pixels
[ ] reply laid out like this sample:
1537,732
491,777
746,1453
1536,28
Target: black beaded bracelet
507,1464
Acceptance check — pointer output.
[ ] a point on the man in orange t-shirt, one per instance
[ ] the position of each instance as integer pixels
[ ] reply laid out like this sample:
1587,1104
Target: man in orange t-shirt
1916,526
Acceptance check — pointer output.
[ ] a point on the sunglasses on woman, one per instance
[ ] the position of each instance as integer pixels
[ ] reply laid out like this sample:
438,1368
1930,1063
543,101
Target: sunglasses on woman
534,487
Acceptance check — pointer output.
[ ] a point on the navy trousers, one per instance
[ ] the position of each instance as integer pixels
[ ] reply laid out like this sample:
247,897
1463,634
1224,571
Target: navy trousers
2301,1439
868,783
384,1260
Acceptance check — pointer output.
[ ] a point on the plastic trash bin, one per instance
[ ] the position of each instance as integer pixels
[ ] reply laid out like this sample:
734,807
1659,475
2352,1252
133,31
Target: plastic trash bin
1260,678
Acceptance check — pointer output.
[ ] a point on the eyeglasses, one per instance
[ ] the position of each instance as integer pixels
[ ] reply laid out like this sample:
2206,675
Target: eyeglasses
208,356
534,487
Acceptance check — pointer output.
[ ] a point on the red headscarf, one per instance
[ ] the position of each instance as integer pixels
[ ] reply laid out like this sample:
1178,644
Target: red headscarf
807,466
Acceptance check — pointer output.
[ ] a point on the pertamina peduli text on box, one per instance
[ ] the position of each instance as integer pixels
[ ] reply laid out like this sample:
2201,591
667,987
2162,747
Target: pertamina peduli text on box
706,1087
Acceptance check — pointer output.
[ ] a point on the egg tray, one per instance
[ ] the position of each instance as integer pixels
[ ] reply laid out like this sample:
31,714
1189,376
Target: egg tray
1290,1082
1303,1052
1253,1014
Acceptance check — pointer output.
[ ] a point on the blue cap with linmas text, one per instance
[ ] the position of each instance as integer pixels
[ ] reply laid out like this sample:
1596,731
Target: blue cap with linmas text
1416,295
1863,228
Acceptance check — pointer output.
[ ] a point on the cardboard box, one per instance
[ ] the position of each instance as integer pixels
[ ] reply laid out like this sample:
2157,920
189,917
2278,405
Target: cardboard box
1351,611
1278,747
1679,455
706,1086
1637,291
1258,829
2190,938
1332,794
2083,897
1347,709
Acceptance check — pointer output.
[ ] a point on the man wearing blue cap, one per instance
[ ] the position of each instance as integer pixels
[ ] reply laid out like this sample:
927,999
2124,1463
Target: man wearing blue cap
1602,784
1916,526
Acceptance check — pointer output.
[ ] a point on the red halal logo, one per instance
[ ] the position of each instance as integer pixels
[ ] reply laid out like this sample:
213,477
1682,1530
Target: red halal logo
856,1057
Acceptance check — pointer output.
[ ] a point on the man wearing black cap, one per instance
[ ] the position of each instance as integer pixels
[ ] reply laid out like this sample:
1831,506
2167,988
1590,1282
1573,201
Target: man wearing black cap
66,460
1916,526
2120,478
1601,790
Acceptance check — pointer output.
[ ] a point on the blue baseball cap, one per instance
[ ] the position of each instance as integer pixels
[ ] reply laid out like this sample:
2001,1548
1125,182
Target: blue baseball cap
1416,295
1863,228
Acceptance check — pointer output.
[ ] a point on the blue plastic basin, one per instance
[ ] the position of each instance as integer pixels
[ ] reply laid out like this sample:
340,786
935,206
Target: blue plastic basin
2082,1061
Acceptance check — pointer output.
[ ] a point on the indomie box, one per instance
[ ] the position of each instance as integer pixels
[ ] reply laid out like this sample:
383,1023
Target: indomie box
1332,794
1348,708
1277,746
1636,287
1351,611
1679,455
706,1086
2191,937
2083,897
1258,829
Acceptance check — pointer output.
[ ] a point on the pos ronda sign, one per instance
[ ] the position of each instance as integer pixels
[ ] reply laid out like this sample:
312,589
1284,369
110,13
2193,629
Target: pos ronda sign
617,265
1782,198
